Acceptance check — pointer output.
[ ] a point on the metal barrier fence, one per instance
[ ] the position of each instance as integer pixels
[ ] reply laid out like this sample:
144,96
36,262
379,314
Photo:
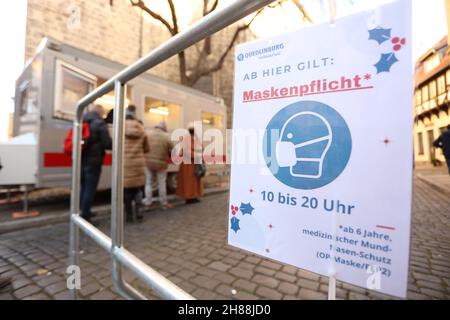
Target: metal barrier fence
209,25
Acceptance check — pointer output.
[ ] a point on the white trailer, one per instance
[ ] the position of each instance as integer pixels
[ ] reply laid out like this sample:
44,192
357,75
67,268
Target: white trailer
54,80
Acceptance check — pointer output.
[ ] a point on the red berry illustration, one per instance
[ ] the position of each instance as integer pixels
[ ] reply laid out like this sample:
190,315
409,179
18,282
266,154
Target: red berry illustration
397,47
403,41
395,40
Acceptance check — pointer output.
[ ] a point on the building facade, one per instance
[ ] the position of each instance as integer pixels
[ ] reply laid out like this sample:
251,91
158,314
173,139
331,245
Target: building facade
431,102
115,30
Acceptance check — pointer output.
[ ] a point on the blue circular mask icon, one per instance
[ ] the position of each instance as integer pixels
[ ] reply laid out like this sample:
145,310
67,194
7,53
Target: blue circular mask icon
307,145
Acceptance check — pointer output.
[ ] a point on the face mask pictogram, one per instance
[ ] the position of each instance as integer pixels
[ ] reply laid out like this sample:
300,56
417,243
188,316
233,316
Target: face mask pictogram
301,149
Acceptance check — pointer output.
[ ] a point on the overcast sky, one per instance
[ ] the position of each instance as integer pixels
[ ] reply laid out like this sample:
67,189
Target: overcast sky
429,26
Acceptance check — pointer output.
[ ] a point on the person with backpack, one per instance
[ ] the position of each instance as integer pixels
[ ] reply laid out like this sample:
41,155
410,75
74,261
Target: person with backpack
92,155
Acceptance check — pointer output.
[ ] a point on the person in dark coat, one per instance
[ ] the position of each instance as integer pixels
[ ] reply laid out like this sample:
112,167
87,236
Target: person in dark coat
444,142
92,158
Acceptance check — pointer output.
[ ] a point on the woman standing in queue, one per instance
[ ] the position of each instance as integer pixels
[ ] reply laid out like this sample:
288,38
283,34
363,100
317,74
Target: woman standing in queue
190,184
136,146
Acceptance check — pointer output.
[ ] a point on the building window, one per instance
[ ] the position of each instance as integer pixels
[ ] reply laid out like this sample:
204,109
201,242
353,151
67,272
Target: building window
425,96
420,143
433,91
441,85
448,77
432,62
418,97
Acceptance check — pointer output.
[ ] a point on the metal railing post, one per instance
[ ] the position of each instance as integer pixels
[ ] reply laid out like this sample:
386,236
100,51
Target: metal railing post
117,215
75,194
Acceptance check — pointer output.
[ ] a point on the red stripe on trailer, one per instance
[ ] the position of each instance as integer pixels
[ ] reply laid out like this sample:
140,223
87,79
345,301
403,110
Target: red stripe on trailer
62,160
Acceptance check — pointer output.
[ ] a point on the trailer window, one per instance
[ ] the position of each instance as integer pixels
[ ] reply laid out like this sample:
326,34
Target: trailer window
108,100
70,86
157,111
212,120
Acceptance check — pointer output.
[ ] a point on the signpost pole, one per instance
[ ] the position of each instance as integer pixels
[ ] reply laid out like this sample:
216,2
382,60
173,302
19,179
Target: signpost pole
332,286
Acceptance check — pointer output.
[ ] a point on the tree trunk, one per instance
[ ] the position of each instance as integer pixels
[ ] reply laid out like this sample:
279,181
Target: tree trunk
183,68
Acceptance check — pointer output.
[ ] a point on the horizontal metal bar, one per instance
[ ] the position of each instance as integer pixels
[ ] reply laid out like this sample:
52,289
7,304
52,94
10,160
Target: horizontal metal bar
99,237
163,287
213,22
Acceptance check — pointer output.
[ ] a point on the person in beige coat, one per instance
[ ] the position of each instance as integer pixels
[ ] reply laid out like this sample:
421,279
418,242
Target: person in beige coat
135,149
160,148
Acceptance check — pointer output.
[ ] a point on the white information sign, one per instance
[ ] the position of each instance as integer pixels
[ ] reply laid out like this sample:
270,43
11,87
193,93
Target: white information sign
321,173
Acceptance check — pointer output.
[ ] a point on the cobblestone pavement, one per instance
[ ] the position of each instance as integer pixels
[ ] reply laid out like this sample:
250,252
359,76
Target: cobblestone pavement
188,244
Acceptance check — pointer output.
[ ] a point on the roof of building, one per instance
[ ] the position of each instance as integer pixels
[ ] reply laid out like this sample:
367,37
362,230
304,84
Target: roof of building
421,76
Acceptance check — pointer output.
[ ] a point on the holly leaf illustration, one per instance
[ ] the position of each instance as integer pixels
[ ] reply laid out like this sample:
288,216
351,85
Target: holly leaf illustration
380,35
385,63
246,208
235,224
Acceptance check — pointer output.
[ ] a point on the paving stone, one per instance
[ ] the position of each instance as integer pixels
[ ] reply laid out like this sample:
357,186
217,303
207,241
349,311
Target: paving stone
244,285
417,296
267,293
38,296
308,284
290,269
219,266
307,294
270,265
264,270
433,293
56,288
241,273
253,259
285,277
103,295
266,281
20,283
47,280
89,289
357,296
426,277
6,296
202,294
288,288
26,291
308,275
225,278
205,282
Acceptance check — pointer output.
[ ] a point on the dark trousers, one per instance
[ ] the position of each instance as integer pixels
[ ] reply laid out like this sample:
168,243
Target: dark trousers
90,175
447,159
130,194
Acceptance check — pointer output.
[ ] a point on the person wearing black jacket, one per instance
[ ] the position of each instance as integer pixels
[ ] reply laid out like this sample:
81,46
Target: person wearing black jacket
92,158
444,142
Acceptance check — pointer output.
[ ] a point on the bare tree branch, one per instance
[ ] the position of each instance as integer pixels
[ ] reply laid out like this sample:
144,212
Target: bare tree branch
202,71
174,17
214,6
303,11
141,4
202,66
